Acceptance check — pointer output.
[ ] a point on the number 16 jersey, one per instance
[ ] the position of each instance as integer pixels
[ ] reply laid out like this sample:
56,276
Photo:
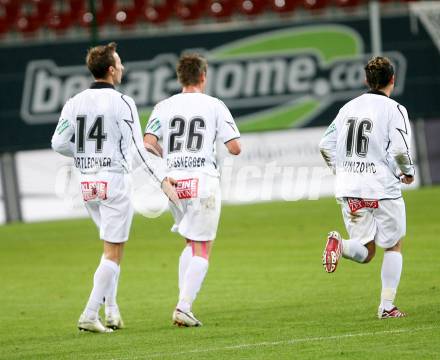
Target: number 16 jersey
190,124
368,146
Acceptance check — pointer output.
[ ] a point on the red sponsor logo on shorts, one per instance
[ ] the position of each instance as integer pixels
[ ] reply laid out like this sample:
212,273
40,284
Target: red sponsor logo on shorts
92,190
355,204
187,188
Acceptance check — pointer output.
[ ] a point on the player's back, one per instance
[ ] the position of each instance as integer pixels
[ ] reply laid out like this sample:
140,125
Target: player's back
364,168
189,127
99,144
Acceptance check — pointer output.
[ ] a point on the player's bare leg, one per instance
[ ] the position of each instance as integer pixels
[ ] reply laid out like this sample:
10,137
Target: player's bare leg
103,283
390,274
191,281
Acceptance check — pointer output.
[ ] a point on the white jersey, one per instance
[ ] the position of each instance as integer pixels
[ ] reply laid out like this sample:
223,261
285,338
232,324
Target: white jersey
190,124
368,146
98,128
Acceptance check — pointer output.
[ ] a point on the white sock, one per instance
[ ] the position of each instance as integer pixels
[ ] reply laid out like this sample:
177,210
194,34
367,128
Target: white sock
391,270
354,250
111,306
184,261
194,276
102,282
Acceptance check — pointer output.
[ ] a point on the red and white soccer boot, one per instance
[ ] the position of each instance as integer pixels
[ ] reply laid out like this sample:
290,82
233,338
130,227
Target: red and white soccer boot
388,314
332,251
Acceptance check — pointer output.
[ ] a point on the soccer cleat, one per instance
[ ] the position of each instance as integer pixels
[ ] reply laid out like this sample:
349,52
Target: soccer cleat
332,251
114,321
388,314
86,324
186,319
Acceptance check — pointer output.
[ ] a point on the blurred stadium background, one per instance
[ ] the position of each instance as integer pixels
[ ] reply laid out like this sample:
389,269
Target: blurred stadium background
283,67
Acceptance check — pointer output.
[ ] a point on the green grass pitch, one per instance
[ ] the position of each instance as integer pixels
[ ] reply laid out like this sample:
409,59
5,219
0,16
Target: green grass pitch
266,295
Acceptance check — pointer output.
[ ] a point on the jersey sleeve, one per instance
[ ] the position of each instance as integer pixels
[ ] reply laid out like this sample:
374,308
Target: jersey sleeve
327,145
154,126
226,128
400,140
131,127
62,137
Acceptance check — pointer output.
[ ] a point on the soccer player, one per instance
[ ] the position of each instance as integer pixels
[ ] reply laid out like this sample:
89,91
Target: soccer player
368,148
98,128
189,124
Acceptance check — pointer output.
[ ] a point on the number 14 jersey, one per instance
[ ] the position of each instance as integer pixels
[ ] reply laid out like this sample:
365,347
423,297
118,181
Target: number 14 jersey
190,124
368,147
100,129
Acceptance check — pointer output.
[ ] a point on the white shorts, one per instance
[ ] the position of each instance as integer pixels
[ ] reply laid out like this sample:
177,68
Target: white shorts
201,214
114,214
386,224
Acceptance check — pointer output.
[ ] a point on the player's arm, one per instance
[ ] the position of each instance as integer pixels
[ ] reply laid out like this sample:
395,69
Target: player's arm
227,129
152,164
62,137
327,146
400,142
152,145
233,146
153,133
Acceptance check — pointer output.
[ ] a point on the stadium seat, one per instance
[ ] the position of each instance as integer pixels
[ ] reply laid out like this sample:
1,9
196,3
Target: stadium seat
4,26
251,7
284,6
159,13
105,11
126,17
42,9
28,24
188,11
11,11
76,9
315,4
59,22
221,9
347,3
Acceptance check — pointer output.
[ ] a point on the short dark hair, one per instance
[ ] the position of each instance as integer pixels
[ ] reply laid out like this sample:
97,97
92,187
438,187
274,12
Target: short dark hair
100,58
379,72
189,69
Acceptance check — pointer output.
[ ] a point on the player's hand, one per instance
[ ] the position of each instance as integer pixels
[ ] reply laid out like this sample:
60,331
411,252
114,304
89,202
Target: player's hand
406,179
168,187
150,148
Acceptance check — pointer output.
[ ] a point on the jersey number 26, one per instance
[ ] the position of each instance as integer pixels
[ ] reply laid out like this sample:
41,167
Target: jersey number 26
184,133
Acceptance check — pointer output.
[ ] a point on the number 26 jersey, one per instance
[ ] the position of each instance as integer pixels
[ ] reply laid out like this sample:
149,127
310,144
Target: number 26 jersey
190,124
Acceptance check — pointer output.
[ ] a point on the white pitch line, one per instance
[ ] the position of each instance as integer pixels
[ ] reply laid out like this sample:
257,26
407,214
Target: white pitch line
283,342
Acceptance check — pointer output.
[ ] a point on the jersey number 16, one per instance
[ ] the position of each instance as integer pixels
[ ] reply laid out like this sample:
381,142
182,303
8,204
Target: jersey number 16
356,137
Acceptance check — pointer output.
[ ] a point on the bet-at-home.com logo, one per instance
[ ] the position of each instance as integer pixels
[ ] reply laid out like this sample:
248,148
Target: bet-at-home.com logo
273,80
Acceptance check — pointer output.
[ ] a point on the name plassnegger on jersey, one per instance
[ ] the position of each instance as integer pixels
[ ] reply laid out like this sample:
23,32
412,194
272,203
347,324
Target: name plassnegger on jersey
179,162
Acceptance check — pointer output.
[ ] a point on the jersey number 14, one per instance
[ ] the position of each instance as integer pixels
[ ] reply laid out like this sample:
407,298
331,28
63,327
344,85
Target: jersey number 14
95,133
